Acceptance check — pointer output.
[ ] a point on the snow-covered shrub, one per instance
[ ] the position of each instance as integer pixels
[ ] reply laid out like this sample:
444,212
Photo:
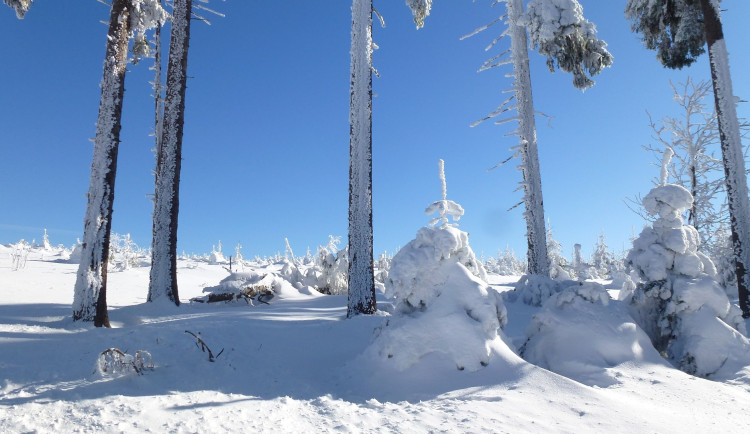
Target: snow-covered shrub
677,300
534,290
124,253
382,268
116,362
506,264
19,254
328,274
558,265
216,257
580,333
444,305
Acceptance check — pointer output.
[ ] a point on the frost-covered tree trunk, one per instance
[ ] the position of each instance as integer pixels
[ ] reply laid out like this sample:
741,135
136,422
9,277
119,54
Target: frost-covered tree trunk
163,279
90,297
158,95
731,149
361,272
532,181
21,6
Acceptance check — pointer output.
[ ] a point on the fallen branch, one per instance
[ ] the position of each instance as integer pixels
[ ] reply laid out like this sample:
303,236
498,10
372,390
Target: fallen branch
204,346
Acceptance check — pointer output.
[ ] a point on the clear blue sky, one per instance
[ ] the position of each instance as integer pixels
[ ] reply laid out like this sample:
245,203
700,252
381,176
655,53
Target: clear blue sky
266,138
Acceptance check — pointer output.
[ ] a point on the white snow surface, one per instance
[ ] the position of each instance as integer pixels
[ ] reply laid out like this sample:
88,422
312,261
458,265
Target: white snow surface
297,365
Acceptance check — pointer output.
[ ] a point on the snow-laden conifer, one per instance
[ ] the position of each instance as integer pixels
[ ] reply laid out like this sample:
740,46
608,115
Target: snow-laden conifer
678,30
677,300
21,6
444,305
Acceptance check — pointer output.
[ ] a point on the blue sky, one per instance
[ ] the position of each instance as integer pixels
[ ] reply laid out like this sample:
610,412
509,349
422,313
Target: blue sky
266,138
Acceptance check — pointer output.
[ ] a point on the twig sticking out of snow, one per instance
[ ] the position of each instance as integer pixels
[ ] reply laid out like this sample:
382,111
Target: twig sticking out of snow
204,347
668,154
444,207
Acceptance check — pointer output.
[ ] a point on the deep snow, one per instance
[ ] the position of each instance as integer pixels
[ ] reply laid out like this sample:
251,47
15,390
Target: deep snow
296,365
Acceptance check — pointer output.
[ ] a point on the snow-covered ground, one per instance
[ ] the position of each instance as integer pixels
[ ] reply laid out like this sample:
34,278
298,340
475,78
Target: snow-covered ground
297,365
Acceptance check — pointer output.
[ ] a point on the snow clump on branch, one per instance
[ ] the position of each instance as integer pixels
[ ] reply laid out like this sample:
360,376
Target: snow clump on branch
146,15
559,31
420,9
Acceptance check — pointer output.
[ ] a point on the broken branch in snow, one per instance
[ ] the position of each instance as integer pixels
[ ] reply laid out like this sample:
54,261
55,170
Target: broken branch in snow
204,347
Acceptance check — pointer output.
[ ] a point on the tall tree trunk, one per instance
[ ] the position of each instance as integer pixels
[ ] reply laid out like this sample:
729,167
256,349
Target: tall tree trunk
731,150
361,273
532,181
163,278
158,96
90,298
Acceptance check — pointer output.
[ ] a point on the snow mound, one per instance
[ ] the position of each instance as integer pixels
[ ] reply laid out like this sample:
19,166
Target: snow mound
581,333
444,307
534,290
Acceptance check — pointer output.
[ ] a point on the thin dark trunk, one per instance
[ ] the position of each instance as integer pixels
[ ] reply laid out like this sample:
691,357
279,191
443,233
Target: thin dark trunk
361,276
163,279
731,150
692,214
90,299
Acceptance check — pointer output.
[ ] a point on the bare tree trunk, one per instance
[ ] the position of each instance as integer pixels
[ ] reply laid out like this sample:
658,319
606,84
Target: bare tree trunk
90,298
731,151
163,278
532,181
361,299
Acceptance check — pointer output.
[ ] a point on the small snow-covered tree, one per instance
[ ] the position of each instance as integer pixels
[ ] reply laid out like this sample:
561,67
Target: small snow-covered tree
163,278
602,260
21,6
558,30
89,302
677,300
679,30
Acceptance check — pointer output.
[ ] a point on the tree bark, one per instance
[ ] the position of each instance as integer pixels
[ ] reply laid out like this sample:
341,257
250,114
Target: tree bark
731,151
538,262
90,298
361,276
163,277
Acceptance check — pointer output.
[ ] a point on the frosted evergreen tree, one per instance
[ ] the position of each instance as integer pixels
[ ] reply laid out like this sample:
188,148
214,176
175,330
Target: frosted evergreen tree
90,297
677,300
602,260
21,6
163,277
679,30
557,29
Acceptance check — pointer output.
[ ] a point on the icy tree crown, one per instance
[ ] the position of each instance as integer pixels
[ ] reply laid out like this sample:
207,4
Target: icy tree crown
444,207
558,30
22,6
420,9
674,28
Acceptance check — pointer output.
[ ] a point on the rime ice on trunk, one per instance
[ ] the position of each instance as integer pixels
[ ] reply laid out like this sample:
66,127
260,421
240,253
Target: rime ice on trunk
532,181
163,278
731,150
361,273
90,298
